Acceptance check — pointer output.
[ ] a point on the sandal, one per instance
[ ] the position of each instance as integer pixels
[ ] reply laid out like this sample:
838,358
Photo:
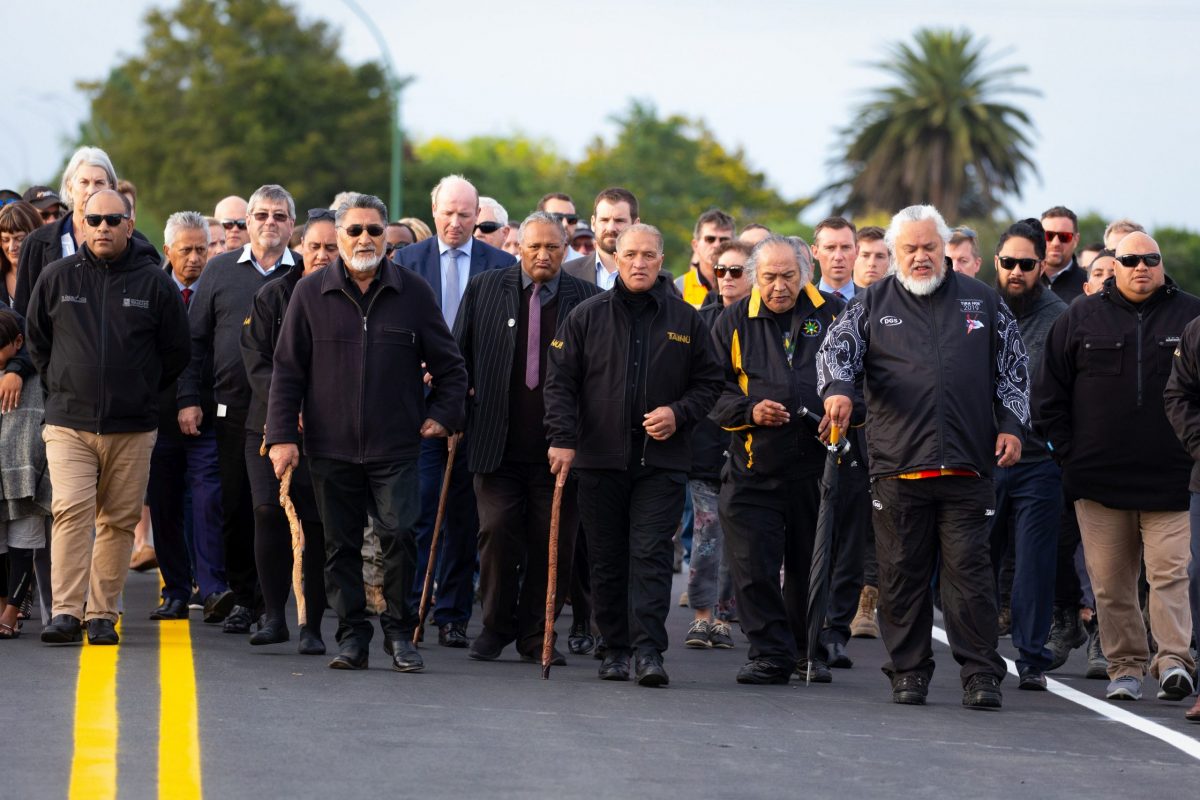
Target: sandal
10,631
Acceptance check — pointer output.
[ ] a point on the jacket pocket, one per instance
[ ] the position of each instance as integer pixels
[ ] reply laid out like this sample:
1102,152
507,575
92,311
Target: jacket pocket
1102,355
1165,354
392,334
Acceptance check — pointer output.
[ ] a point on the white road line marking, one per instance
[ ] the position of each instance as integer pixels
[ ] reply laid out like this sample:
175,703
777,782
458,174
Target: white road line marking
1106,709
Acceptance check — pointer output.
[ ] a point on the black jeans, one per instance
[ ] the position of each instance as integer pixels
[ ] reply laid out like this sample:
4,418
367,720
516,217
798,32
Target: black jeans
237,510
1068,593
344,490
914,521
765,528
514,558
852,522
630,516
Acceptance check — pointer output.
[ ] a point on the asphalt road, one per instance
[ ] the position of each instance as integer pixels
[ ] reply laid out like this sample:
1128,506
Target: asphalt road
274,724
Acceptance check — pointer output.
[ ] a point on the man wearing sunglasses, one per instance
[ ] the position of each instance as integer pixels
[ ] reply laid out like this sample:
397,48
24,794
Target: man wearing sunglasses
1100,406
560,206
492,225
49,205
1060,269
713,228
231,212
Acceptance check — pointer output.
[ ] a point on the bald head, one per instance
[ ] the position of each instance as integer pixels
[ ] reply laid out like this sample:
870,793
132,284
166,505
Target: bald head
1136,277
1137,242
229,212
109,236
455,209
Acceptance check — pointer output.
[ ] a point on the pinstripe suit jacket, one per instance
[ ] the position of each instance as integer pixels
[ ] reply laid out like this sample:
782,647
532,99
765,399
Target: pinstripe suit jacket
487,342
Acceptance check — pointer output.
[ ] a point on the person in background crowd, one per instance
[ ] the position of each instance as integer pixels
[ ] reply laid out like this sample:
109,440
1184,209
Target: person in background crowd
1084,256
216,237
713,228
420,230
835,249
49,205
614,210
1117,230
562,208
1123,463
17,220
872,261
1060,269
511,245
492,221
1102,268
963,251
754,233
127,188
398,234
231,212
584,241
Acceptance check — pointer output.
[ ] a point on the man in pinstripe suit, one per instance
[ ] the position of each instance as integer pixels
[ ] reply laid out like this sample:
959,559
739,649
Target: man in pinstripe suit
505,324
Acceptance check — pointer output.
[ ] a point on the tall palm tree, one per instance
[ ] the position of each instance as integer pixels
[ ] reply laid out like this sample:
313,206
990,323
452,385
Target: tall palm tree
939,135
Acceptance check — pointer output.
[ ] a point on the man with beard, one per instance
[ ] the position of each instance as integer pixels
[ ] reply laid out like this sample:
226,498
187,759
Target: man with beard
1029,493
614,211
357,339
1060,269
946,386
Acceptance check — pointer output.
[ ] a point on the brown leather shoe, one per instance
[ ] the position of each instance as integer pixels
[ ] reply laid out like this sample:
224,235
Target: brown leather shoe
1193,713
143,559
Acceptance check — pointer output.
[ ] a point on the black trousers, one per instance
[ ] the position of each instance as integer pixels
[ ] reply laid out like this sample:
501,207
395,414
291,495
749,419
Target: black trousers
914,521
630,516
852,523
237,511
581,583
766,528
514,558
1068,593
344,491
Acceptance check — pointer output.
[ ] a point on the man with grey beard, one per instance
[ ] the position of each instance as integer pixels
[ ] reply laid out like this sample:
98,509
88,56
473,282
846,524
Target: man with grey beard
944,372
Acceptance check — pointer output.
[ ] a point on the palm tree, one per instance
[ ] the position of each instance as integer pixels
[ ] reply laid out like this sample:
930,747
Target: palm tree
939,135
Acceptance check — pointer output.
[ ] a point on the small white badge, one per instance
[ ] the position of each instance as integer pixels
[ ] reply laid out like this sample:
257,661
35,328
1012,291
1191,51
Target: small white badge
222,410
512,323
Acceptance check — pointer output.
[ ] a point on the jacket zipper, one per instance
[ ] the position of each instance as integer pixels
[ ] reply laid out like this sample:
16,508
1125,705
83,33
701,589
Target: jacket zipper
103,352
938,354
1139,359
646,380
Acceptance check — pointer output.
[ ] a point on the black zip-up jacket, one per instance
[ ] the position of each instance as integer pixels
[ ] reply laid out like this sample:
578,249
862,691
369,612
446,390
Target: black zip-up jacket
1099,399
757,368
260,334
358,375
1181,398
107,337
587,371
942,374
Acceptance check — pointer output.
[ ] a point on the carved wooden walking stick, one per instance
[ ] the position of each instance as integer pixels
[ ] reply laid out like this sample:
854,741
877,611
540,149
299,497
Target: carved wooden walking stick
297,532
451,447
552,578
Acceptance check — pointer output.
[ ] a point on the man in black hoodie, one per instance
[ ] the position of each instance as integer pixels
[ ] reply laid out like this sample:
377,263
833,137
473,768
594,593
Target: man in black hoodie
107,332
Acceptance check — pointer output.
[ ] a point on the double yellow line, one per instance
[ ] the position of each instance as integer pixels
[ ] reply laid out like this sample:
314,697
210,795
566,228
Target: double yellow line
97,724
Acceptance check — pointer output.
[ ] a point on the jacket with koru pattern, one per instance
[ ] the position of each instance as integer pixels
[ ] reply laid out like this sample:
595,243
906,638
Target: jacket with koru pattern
757,367
942,374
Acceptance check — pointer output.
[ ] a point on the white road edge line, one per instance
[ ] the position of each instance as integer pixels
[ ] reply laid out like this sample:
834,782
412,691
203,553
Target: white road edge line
1179,741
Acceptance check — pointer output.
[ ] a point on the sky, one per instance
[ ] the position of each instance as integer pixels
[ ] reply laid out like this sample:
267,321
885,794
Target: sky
1116,120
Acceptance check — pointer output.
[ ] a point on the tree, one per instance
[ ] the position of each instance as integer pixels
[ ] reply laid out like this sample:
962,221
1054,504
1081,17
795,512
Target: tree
678,170
229,95
940,135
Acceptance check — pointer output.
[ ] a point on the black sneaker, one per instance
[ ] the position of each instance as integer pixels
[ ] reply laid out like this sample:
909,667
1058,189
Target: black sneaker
982,691
910,689
720,636
649,670
820,671
698,636
762,672
1033,680
580,640
1066,634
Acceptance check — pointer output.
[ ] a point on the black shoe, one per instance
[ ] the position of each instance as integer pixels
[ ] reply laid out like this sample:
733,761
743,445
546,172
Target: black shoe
1066,634
1033,680
820,671
196,601
352,656
557,659
63,629
238,621
453,634
102,631
910,689
218,605
405,657
487,646
274,631
762,672
615,667
170,608
650,670
838,658
311,643
982,691
580,641
601,648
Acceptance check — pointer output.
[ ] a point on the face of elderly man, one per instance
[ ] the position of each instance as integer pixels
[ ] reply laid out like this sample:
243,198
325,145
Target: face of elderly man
1139,281
187,255
778,277
495,237
106,240
1101,269
270,225
455,212
361,247
639,260
229,212
542,249
920,256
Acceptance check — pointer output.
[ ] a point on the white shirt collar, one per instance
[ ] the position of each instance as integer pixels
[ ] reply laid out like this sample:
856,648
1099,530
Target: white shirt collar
248,255
464,248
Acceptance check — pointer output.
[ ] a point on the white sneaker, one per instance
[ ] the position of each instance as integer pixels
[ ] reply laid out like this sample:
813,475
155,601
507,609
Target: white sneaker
1125,687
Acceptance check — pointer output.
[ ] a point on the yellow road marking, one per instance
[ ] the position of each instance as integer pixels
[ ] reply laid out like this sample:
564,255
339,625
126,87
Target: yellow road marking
178,723
94,763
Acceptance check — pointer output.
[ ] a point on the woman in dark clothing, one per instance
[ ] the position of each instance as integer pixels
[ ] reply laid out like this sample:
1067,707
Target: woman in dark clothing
17,220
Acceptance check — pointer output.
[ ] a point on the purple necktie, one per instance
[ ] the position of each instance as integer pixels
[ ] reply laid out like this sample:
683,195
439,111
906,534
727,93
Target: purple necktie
533,338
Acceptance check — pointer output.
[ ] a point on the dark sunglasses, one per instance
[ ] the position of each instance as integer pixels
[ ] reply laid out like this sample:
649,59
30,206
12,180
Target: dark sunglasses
112,220
230,224
50,214
734,272
374,230
710,239
570,219
492,227
1063,236
1131,260
1025,264
315,214
263,216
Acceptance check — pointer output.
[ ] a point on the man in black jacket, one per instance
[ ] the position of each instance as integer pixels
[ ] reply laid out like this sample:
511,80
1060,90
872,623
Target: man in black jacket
1100,407
770,497
504,328
351,353
630,373
107,332
1062,272
946,388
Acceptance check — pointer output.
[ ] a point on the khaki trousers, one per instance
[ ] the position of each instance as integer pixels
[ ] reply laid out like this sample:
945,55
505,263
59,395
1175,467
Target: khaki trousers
1114,544
99,485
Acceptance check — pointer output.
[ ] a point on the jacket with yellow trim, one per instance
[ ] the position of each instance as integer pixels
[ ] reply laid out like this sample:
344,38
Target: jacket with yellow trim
750,344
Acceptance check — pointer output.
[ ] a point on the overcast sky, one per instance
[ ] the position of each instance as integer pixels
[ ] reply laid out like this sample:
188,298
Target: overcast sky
1117,121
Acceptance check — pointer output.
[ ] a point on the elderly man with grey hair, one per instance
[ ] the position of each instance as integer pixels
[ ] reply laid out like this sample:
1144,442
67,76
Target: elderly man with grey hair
940,359
492,222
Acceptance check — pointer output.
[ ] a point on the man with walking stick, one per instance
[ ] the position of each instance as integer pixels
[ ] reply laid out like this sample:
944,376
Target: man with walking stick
351,350
504,327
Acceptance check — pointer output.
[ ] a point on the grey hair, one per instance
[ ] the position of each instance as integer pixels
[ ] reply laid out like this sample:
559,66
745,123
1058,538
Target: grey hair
446,181
914,214
497,209
275,193
357,200
540,217
641,227
85,157
338,199
186,220
1122,225
800,250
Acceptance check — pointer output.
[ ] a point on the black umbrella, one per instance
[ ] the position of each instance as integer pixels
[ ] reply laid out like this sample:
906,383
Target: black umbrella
818,574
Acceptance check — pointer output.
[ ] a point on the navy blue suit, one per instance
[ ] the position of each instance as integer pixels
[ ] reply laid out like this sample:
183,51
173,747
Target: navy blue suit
455,571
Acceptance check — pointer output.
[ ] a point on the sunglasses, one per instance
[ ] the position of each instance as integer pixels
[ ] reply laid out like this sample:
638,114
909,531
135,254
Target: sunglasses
1063,236
1131,260
570,219
1025,264
374,230
492,227
315,214
50,214
230,224
112,220
733,272
278,216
